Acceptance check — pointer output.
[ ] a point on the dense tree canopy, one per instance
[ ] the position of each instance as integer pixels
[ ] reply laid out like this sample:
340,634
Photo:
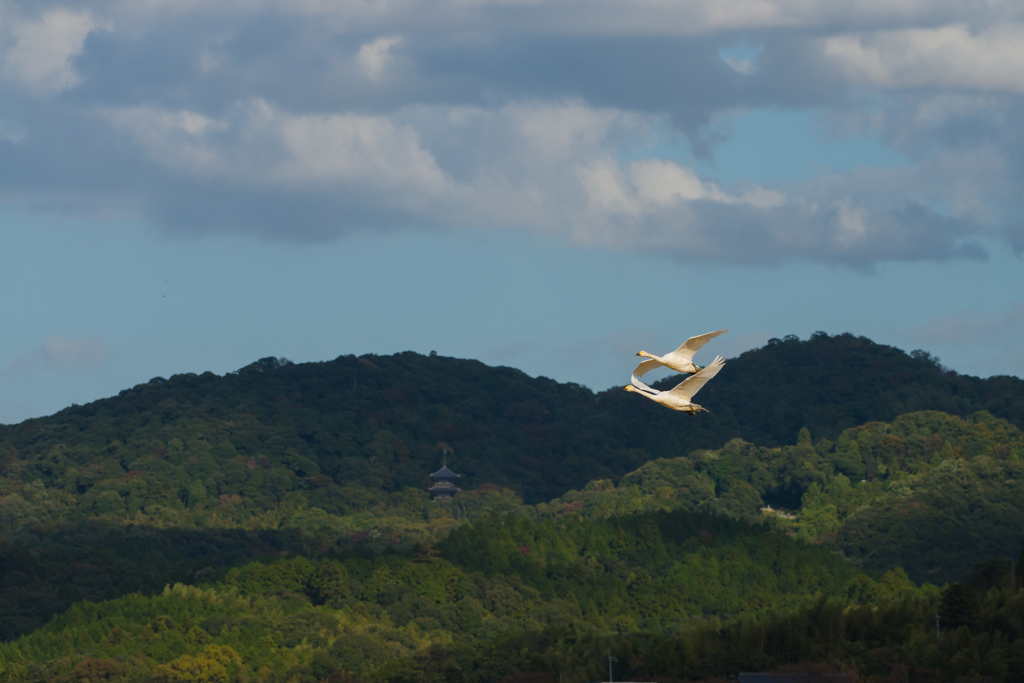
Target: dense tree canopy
370,614
273,525
928,492
343,433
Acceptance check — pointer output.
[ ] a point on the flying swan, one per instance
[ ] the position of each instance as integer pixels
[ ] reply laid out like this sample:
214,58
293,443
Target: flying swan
678,398
680,360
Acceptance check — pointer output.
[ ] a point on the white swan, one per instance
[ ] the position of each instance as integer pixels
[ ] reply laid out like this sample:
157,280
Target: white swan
680,360
678,398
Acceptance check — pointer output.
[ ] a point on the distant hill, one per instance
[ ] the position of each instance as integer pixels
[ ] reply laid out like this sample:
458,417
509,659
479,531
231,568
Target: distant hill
340,433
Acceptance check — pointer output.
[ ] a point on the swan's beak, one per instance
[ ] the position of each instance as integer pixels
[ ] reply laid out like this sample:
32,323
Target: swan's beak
639,353
628,388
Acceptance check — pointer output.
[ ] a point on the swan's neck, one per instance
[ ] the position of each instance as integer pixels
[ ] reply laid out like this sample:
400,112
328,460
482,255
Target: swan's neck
647,394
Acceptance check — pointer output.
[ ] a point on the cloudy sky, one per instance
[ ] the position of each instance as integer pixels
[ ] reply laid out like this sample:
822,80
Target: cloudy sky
548,184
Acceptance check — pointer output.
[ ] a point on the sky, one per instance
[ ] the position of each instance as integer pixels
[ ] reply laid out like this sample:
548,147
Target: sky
551,185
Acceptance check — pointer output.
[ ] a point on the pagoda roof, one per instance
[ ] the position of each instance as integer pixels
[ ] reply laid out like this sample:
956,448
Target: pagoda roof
445,473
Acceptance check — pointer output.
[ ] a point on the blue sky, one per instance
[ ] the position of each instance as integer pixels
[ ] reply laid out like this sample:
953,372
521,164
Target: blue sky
192,186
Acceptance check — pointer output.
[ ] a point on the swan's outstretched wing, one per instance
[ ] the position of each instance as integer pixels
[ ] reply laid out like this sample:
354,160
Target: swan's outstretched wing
645,366
635,381
692,384
695,344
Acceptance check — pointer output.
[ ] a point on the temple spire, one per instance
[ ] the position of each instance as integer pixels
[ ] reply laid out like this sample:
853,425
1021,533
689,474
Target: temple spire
443,487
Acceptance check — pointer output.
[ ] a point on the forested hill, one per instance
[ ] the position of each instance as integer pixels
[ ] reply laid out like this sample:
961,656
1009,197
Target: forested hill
829,384
382,422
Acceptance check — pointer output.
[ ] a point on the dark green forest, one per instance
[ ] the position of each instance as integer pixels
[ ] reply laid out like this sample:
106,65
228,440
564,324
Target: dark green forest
675,596
273,524
333,431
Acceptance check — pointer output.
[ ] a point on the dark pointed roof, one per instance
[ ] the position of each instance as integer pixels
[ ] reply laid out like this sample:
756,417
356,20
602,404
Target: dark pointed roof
445,473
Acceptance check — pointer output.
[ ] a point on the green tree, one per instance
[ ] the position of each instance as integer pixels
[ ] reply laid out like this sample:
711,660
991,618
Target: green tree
196,495
215,664
959,605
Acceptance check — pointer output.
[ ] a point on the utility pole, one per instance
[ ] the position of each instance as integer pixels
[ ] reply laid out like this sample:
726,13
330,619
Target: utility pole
610,660
938,635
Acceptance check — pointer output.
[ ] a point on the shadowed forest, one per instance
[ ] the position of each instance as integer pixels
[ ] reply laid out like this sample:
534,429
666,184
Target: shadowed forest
274,525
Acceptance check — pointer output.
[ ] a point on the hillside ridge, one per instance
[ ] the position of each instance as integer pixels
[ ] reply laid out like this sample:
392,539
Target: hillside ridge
383,421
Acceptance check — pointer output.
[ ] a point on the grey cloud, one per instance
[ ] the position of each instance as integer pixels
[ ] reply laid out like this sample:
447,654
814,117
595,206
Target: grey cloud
307,69
516,167
843,233
968,158
165,124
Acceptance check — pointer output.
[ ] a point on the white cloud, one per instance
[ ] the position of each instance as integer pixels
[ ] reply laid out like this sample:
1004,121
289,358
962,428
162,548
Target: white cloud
307,118
178,139
647,186
851,223
60,353
607,189
743,66
559,132
621,17
696,17
376,56
663,182
544,167
351,148
44,49
948,57
257,146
